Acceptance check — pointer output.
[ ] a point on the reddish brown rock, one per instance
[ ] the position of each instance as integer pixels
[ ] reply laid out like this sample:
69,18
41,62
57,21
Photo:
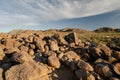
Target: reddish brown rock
26,71
23,48
53,45
71,55
40,45
54,62
31,52
60,39
84,65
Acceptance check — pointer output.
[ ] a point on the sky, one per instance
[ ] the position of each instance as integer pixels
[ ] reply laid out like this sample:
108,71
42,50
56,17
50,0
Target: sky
58,14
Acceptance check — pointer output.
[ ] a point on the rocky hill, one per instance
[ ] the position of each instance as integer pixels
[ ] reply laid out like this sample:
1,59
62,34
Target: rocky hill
31,55
107,29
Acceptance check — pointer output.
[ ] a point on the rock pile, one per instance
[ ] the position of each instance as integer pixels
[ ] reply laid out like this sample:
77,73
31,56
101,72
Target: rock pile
38,57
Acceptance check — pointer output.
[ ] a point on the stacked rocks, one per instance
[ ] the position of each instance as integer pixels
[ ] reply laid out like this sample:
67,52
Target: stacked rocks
37,57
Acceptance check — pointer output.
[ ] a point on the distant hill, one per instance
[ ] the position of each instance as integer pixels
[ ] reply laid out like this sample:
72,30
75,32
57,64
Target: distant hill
107,29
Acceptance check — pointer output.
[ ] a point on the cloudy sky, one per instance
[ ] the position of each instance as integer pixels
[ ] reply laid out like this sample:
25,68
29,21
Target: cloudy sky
46,14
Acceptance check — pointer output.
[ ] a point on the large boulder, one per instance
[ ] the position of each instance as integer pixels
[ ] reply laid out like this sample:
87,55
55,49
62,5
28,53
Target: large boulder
99,50
26,71
19,57
9,43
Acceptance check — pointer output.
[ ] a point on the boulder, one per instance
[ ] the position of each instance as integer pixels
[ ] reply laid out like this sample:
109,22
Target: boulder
71,55
9,43
53,45
11,50
23,48
100,50
26,71
40,45
84,65
54,61
103,70
72,38
59,39
20,57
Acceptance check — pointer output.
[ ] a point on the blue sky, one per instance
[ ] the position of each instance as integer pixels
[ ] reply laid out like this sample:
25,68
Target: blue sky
47,14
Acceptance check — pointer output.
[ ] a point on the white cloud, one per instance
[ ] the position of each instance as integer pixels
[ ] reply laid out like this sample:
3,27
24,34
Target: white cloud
31,12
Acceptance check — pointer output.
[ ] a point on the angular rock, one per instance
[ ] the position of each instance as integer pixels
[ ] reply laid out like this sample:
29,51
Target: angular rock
59,39
72,38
